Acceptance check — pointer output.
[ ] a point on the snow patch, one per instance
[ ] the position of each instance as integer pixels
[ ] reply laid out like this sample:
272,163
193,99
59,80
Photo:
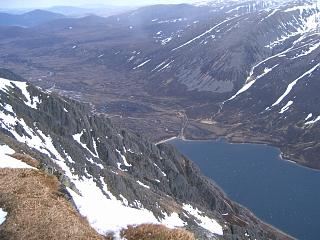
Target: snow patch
308,117
8,108
3,216
203,34
23,86
173,220
270,14
313,121
95,147
119,167
250,82
125,162
166,66
307,52
9,162
158,66
98,208
142,64
166,40
77,138
204,221
291,85
163,173
302,24
143,185
286,107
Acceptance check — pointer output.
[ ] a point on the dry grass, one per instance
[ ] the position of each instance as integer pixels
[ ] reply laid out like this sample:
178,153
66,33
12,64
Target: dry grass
156,232
36,209
26,159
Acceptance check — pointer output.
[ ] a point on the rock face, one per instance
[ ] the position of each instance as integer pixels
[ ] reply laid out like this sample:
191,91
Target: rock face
100,166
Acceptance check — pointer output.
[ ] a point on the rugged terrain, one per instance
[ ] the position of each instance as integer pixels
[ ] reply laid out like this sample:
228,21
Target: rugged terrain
244,70
114,177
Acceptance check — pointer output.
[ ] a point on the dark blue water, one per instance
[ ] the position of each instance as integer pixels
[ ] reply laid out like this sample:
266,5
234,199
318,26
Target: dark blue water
279,192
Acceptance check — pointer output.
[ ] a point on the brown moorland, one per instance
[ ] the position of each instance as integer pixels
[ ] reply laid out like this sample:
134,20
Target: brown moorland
155,232
37,210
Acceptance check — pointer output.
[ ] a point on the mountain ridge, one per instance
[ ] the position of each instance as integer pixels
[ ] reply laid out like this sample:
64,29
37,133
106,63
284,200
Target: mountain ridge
116,169
28,19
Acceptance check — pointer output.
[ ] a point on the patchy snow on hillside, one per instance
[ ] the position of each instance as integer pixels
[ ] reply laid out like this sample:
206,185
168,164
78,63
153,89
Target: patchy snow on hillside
292,84
107,215
245,87
9,162
173,20
95,201
317,119
286,107
203,34
173,220
35,138
302,24
249,83
77,138
142,64
205,222
143,185
309,50
166,40
166,66
162,172
308,117
124,159
23,86
273,11
158,66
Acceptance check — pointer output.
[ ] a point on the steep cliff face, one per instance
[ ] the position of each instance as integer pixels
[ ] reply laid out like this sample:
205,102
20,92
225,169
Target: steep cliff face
114,177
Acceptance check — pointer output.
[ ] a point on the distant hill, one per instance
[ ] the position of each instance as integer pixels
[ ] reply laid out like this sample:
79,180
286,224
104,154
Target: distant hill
85,11
28,19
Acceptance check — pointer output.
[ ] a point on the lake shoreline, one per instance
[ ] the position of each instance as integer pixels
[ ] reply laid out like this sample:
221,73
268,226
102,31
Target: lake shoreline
243,167
232,140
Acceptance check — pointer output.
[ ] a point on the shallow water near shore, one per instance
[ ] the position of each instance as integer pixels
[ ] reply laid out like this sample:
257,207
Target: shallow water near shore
279,192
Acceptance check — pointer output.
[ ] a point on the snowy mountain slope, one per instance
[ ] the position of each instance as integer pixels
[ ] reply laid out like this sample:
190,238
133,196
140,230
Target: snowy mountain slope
116,178
256,59
204,48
